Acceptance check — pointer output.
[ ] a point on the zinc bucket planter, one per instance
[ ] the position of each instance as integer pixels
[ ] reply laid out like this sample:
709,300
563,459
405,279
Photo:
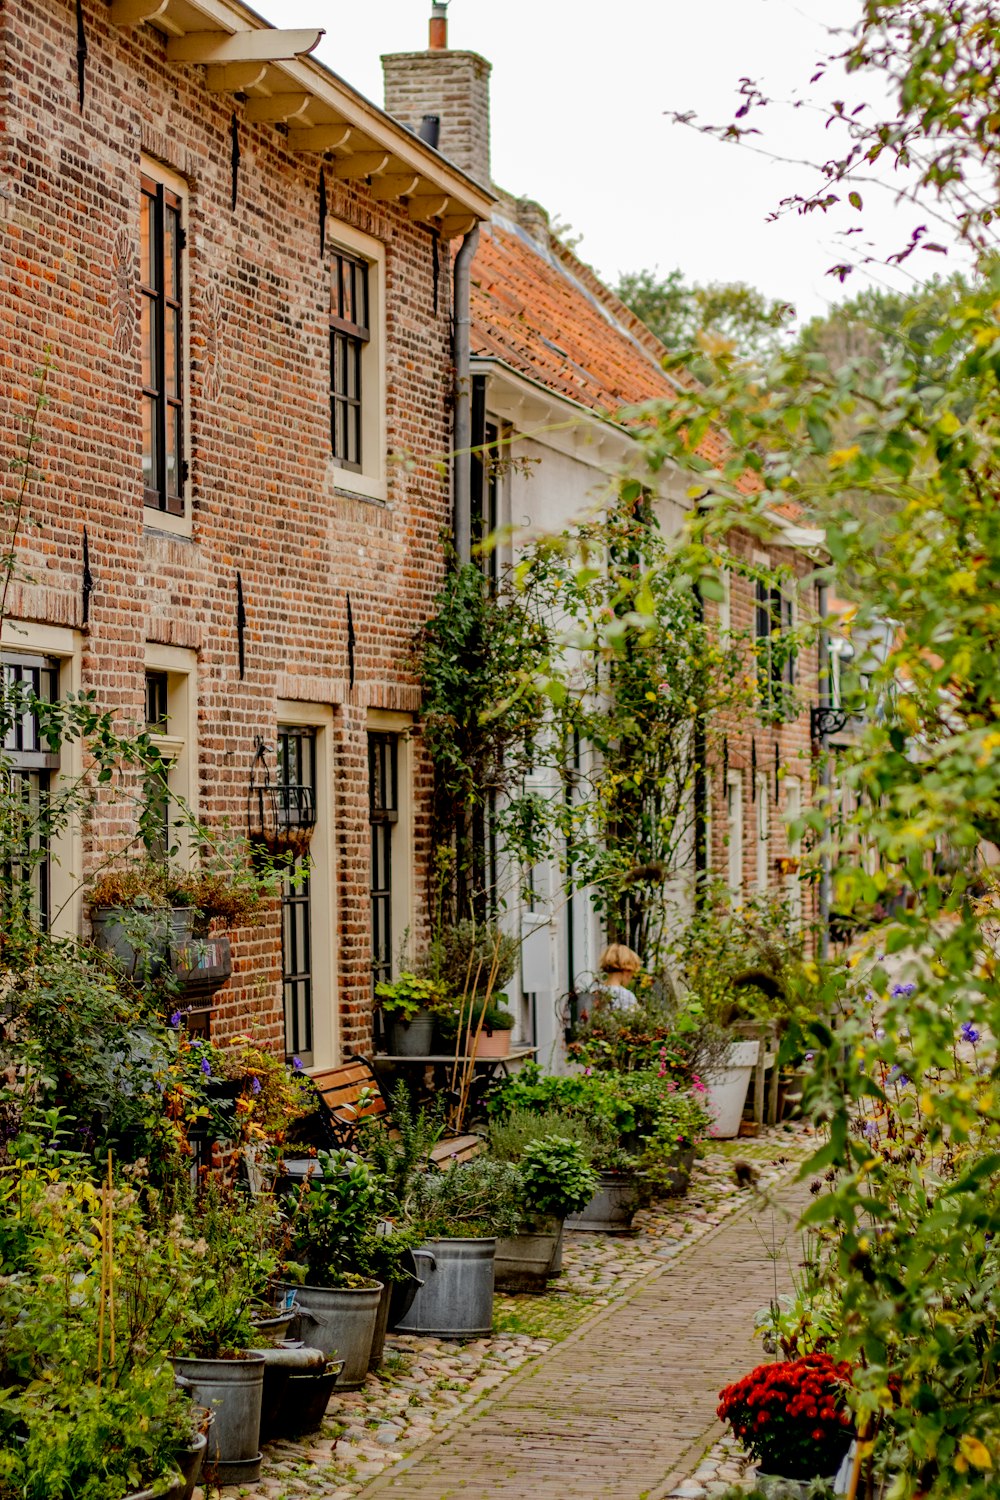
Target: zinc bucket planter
727,1084
410,1038
456,1299
190,1461
307,1398
233,1390
170,1487
340,1321
528,1260
679,1173
613,1207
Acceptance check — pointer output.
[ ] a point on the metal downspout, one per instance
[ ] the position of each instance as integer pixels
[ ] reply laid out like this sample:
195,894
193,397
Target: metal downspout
462,488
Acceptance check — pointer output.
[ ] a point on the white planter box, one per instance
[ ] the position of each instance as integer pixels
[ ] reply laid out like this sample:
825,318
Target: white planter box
728,1084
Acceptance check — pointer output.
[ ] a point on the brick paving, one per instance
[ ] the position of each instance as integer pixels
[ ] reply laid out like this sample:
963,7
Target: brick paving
624,1407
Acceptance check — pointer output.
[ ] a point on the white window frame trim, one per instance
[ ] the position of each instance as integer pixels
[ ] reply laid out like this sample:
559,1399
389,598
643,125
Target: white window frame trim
67,852
291,713
370,481
159,520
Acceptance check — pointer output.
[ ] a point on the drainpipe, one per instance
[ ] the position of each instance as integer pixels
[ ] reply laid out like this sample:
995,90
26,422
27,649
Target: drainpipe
825,772
463,396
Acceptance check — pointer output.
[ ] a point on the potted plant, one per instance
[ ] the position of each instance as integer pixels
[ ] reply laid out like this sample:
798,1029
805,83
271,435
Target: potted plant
617,1109
792,1417
484,1024
669,1151
214,1354
86,1415
463,1209
556,1180
409,1004
155,916
332,1219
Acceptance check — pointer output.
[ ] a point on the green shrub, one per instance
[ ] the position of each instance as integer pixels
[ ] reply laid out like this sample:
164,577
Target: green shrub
556,1176
473,1199
510,1133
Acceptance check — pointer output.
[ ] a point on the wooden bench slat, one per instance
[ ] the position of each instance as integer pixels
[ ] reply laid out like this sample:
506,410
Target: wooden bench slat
339,1090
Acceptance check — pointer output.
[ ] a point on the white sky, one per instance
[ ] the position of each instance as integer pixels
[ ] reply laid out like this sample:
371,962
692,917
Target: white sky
579,92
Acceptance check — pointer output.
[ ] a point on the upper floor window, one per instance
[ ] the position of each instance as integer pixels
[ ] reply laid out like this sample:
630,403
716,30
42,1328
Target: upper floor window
161,320
774,622
350,334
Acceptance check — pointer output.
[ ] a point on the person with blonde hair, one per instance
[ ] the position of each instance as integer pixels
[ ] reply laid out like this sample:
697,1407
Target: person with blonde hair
619,966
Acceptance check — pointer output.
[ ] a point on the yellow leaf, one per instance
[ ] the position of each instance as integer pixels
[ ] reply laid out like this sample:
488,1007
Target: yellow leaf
843,456
975,1452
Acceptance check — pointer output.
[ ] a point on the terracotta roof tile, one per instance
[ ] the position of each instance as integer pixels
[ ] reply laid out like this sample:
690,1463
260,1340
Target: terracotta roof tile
547,316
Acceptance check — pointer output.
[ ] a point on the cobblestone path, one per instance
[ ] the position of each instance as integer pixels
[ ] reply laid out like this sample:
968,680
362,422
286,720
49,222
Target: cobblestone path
624,1407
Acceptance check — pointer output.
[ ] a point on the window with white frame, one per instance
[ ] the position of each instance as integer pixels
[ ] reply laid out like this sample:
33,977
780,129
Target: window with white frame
163,340
28,768
762,805
734,834
356,364
296,778
170,716
725,605
793,884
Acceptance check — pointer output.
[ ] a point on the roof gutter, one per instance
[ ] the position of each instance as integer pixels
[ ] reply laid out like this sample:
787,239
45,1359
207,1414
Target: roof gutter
462,488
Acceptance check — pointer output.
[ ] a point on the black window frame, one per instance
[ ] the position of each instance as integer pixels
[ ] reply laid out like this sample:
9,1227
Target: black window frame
350,333
296,770
383,816
774,616
163,303
27,759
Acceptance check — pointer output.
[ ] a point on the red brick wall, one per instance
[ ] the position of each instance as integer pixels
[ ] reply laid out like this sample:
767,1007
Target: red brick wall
748,739
266,500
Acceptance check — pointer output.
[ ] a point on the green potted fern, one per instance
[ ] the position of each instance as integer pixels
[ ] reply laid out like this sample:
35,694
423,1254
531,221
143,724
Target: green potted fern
556,1180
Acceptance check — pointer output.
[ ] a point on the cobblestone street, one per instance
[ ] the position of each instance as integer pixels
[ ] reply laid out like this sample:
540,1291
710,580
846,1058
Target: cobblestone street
617,1368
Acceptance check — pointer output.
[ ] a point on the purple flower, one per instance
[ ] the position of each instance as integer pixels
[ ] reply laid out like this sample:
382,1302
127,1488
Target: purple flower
255,1085
810,1056
206,1067
176,1018
870,997
587,1072
871,1127
880,1033
896,1075
297,1064
902,991
969,1033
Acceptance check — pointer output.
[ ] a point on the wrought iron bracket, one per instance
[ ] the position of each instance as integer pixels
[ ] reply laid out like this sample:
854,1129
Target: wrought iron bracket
826,721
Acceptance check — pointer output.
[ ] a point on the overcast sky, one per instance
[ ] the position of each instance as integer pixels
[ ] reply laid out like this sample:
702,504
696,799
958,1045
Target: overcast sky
579,92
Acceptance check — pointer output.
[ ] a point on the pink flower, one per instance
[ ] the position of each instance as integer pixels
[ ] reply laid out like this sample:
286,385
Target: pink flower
587,1072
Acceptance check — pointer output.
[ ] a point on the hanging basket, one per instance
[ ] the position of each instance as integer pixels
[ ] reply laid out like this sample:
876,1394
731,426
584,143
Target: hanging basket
281,816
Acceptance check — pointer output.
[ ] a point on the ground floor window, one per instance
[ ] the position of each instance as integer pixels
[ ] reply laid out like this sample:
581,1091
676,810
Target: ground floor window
383,812
297,789
29,766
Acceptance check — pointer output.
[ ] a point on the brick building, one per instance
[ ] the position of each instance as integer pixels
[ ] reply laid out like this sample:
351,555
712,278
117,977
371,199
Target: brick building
238,270
556,359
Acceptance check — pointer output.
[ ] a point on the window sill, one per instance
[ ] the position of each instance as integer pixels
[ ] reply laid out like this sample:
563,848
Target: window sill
355,486
160,522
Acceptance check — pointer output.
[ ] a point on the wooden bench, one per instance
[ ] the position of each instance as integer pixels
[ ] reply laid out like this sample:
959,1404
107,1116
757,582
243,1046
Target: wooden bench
351,1093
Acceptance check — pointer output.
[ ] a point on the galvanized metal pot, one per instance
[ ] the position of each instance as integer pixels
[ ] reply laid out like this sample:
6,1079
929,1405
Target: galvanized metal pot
528,1260
232,1389
456,1299
340,1320
613,1207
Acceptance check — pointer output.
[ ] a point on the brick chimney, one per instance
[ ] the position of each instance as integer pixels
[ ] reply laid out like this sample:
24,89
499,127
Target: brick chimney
454,86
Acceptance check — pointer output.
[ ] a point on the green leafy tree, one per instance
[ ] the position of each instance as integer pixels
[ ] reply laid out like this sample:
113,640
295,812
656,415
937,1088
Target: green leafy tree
719,317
